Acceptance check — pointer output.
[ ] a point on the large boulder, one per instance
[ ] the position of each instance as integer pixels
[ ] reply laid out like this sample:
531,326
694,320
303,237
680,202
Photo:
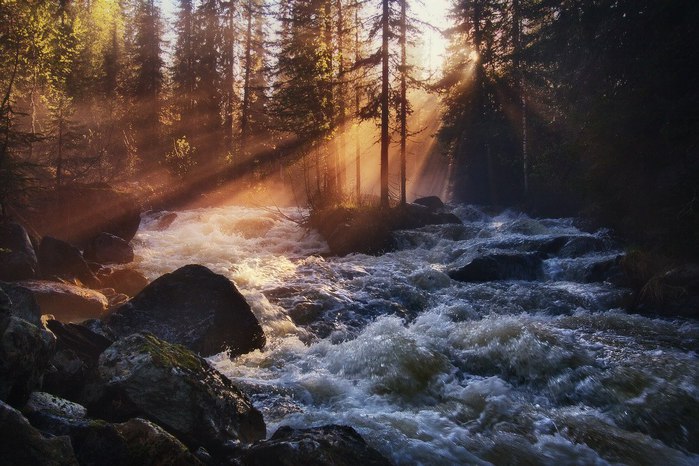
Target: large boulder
68,303
106,248
496,267
76,213
370,230
59,260
142,376
431,202
21,302
22,444
319,446
25,352
77,351
194,307
127,281
17,257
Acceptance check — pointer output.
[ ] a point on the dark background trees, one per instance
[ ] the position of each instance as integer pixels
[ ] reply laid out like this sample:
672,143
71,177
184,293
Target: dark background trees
564,107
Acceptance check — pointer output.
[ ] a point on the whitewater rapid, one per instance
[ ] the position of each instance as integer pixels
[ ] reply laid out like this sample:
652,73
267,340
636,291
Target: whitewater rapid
434,371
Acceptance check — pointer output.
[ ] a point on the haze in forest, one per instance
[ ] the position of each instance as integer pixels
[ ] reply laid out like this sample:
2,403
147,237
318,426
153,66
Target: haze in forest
544,105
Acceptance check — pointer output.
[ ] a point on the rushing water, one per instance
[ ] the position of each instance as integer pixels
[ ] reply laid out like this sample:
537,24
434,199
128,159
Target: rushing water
434,371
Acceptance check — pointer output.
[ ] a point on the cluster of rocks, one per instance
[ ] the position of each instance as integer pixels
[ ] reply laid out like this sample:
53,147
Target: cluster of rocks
369,230
99,367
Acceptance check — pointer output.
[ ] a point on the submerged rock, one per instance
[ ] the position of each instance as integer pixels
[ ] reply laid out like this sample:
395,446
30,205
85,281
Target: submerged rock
106,248
17,257
22,444
142,376
501,267
62,261
194,307
66,302
336,445
25,351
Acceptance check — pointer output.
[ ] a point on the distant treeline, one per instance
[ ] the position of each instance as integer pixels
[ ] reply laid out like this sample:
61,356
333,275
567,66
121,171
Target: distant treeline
580,106
564,106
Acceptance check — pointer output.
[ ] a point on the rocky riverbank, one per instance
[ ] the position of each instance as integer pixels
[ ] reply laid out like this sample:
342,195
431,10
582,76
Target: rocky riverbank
97,366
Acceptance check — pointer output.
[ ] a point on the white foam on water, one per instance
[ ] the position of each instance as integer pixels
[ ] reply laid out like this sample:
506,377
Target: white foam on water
433,371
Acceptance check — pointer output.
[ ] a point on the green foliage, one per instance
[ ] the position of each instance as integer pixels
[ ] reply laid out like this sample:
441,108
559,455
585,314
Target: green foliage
182,158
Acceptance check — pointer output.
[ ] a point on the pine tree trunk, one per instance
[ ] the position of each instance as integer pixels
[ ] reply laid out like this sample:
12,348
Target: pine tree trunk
403,103
385,140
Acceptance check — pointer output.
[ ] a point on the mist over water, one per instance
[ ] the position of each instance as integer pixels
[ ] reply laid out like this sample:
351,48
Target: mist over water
434,371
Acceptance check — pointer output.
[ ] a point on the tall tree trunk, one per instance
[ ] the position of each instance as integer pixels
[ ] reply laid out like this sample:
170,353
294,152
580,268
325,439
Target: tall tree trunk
331,180
385,139
403,102
245,113
229,81
341,110
357,102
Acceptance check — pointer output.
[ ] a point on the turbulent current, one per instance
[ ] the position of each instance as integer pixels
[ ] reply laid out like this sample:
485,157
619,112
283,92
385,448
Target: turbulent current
434,371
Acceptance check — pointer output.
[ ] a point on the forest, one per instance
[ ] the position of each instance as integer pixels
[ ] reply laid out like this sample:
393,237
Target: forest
560,107
349,232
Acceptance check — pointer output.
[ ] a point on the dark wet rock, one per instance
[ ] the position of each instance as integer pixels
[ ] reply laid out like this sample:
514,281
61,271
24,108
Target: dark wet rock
127,281
673,293
194,307
99,327
77,351
608,270
370,230
142,376
336,445
90,209
22,444
96,442
165,220
59,260
21,303
431,202
106,248
25,351
68,303
18,260
500,267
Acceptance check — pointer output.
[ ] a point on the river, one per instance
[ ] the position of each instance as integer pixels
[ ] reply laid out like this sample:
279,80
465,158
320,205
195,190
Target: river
434,371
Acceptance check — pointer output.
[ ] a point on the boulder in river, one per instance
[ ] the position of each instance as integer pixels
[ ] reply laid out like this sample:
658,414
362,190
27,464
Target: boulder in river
68,303
431,202
142,376
17,257
674,292
106,248
22,444
194,307
496,267
60,260
25,351
331,444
